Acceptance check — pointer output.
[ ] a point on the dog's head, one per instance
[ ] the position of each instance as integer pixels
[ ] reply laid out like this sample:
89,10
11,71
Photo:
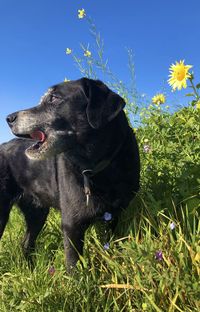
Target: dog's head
67,112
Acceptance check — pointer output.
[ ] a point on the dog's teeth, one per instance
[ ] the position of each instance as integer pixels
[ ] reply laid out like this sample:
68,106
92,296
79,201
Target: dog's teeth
37,145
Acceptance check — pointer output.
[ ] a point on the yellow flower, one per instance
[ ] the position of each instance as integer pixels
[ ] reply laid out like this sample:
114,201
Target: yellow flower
158,99
81,13
144,307
68,51
66,80
87,53
198,104
178,75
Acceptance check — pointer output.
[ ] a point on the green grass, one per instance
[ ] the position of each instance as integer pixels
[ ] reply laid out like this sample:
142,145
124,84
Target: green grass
127,276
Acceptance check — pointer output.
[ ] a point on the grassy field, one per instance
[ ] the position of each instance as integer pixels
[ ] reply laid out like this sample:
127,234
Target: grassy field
152,264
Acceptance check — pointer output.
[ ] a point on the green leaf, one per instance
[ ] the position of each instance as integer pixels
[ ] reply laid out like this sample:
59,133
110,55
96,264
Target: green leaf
194,102
191,121
190,94
198,86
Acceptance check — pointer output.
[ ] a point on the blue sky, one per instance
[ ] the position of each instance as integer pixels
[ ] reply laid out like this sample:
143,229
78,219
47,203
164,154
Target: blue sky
35,34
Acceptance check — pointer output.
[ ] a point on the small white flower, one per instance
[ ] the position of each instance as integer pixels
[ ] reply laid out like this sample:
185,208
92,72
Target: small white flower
146,148
172,226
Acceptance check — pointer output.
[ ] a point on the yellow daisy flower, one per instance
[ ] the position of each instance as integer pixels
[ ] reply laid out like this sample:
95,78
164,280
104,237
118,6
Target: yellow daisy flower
158,99
198,105
68,51
87,53
178,75
81,13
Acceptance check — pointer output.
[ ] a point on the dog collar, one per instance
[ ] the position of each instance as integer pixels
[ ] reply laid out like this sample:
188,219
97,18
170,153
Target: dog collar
88,173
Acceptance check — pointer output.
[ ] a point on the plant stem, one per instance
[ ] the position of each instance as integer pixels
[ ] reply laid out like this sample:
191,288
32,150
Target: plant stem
194,88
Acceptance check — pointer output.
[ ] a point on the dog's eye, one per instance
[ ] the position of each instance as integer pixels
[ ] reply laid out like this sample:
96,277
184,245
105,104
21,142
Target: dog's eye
54,98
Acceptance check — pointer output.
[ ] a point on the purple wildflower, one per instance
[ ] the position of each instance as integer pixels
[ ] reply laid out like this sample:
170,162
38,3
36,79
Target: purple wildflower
106,246
172,226
159,255
51,270
107,216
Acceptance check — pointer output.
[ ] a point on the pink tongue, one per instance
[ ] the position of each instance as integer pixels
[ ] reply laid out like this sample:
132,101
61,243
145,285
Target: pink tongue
38,136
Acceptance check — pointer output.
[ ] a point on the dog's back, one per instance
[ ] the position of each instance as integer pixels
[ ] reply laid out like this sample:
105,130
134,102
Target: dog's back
16,177
20,175
8,187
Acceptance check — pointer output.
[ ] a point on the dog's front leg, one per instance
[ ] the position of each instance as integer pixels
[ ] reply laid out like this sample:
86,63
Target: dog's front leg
73,214
73,242
35,218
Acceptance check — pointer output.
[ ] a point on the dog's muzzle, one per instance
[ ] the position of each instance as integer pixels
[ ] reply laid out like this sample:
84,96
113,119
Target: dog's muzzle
11,119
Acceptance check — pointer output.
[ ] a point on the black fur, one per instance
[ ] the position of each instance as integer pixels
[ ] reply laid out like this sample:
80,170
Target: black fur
85,128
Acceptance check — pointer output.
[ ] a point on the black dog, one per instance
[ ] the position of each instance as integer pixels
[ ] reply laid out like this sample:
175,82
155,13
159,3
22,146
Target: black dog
84,161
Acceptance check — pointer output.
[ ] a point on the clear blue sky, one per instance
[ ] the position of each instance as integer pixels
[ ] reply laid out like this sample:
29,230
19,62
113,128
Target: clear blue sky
35,34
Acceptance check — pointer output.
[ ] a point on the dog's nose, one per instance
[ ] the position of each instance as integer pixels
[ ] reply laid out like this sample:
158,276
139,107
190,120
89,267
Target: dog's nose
11,118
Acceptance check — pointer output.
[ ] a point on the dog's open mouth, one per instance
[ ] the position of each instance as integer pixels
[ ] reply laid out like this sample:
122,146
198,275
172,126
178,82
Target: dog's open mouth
39,147
38,136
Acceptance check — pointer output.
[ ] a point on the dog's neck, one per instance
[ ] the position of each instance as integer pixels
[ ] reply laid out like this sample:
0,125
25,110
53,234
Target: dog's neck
95,154
90,159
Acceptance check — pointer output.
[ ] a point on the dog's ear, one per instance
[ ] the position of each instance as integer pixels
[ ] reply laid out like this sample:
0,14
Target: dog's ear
103,104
